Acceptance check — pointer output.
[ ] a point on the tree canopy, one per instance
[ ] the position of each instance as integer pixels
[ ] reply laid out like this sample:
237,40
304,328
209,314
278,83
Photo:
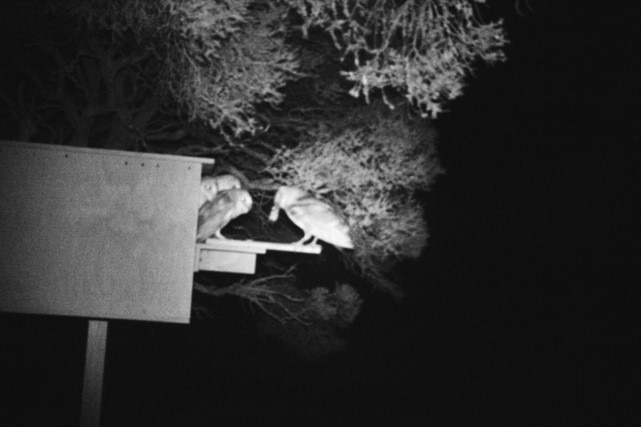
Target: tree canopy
221,58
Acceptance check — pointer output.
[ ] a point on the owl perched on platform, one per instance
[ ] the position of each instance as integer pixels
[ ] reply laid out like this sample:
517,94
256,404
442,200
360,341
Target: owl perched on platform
210,186
217,213
315,218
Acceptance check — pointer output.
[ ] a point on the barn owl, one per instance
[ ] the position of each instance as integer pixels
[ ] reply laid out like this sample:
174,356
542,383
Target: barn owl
212,185
315,218
216,214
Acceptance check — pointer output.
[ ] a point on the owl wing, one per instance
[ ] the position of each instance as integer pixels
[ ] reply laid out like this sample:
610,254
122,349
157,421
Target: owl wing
214,215
320,220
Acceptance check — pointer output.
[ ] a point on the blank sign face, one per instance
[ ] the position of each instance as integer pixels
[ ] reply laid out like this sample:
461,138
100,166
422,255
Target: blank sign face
97,233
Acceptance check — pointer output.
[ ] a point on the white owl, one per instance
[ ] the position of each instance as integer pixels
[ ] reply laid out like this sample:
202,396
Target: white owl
216,214
212,185
315,218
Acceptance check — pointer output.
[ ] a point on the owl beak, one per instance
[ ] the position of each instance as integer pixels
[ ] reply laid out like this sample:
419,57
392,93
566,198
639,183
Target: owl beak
273,215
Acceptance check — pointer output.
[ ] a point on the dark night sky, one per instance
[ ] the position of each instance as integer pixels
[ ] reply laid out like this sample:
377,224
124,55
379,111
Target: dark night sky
519,319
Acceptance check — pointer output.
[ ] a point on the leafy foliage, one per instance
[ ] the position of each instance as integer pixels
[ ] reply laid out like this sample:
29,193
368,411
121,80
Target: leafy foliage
311,321
222,58
328,313
340,306
423,48
369,166
219,58
320,95
85,88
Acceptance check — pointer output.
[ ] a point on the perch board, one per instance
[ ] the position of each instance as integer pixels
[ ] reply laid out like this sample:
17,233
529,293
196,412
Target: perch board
239,256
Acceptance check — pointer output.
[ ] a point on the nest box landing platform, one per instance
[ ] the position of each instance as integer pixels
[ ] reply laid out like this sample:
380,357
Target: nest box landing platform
239,256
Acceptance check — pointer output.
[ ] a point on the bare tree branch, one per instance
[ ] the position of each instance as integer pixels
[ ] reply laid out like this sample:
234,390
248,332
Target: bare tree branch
263,293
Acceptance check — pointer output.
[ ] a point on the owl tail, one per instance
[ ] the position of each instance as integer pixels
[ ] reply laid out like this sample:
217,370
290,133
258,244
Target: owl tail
338,237
342,241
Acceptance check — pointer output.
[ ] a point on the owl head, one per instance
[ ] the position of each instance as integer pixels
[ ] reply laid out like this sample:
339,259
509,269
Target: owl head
210,186
285,197
242,200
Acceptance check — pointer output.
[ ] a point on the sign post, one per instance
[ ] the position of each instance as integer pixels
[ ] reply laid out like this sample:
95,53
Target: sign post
94,370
